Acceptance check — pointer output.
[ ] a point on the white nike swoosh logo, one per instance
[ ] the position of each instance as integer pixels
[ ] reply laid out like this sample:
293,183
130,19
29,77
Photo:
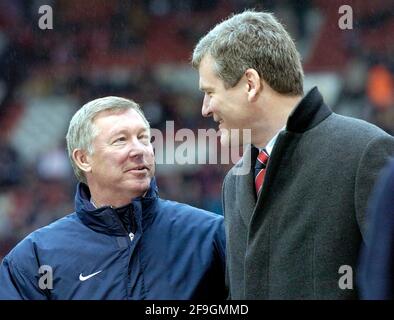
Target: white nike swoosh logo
82,278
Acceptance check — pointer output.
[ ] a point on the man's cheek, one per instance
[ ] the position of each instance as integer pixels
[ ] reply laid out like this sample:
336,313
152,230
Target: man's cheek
150,157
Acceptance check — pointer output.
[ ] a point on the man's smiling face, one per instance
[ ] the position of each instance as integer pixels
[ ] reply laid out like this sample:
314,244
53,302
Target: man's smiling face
122,159
228,107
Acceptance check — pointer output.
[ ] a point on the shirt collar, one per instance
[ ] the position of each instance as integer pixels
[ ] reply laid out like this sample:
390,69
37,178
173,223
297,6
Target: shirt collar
92,202
271,143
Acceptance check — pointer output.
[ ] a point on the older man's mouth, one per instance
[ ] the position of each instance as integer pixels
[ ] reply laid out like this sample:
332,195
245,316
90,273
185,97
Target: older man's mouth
141,169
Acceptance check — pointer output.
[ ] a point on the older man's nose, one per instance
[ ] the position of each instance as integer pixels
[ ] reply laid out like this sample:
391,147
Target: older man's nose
136,149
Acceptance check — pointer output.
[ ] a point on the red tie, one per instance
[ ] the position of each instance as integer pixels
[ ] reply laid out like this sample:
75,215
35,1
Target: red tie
260,168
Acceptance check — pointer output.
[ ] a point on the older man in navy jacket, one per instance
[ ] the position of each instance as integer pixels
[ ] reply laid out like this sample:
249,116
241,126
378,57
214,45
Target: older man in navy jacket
122,241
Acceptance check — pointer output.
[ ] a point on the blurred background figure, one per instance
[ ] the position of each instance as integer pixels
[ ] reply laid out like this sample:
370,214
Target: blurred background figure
141,50
376,279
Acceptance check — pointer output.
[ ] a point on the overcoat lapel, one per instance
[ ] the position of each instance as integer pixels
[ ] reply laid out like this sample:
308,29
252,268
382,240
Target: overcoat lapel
245,185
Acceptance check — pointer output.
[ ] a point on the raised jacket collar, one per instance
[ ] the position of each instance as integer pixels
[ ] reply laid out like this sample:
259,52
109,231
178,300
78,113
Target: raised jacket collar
116,221
308,113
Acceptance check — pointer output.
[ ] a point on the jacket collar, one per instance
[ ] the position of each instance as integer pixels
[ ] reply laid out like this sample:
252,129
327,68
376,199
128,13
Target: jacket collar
116,221
308,113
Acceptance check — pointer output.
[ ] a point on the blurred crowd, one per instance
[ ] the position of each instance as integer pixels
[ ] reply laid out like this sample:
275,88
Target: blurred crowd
141,50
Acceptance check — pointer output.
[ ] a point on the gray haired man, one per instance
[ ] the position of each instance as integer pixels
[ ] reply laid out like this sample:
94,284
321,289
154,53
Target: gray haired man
123,241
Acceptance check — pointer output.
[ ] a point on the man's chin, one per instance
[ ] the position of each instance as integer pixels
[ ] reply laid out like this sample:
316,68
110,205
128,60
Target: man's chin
139,188
227,142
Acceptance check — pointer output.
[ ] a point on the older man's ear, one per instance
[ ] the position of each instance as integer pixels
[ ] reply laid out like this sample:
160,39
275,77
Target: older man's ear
82,160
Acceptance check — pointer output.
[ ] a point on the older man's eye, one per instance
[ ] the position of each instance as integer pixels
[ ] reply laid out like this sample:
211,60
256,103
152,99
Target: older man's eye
120,139
144,138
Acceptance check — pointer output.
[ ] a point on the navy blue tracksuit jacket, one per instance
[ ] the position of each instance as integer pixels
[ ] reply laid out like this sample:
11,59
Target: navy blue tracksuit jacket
149,249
